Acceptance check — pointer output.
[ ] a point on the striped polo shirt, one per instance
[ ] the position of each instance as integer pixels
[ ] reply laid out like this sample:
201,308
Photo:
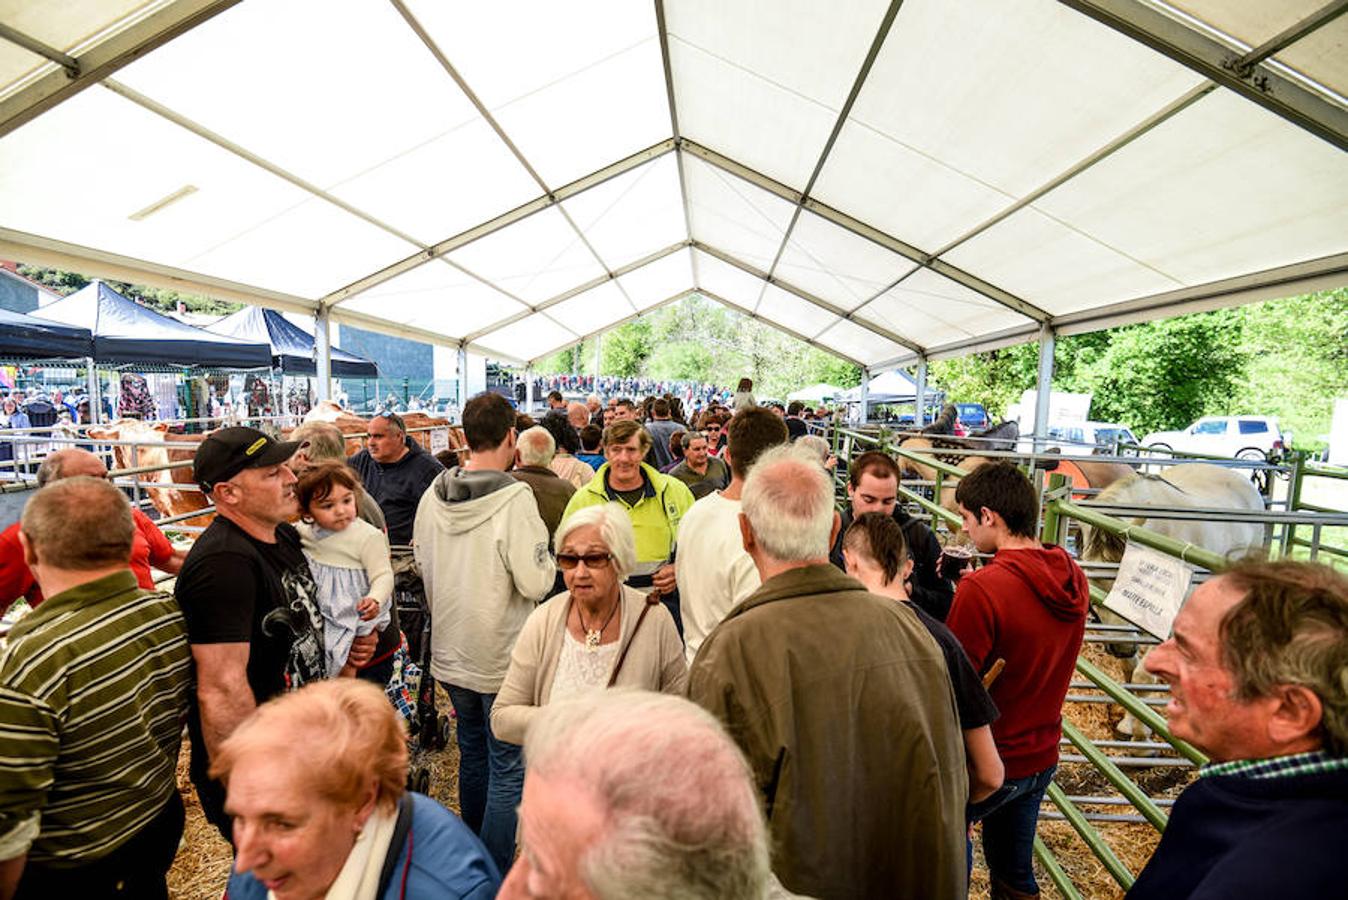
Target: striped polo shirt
94,687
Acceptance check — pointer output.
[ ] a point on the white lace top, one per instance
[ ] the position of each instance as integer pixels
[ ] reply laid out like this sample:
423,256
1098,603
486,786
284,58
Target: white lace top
580,671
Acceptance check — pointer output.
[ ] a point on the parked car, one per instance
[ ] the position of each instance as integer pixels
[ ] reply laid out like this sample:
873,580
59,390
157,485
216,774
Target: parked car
1241,437
973,416
1093,437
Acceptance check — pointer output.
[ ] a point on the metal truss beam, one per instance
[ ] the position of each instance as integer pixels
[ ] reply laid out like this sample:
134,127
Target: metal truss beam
623,321
871,233
663,29
780,327
100,61
806,296
1289,36
1265,85
577,290
31,248
491,226
876,43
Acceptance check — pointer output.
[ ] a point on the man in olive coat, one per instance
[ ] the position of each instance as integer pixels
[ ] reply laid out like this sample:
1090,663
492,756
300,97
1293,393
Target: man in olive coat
842,703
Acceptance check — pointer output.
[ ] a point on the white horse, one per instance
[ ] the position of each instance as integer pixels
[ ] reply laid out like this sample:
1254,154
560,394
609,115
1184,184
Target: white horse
1187,486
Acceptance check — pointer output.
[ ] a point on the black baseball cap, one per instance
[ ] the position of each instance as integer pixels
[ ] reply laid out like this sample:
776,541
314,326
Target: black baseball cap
229,451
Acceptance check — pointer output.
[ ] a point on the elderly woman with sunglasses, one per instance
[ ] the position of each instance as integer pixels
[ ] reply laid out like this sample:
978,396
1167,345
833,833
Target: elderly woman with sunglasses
596,634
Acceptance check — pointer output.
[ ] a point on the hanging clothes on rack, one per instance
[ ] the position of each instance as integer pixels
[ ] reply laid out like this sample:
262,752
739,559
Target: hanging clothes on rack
135,401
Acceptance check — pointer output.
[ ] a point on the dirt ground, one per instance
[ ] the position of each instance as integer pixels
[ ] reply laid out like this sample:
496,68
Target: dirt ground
202,865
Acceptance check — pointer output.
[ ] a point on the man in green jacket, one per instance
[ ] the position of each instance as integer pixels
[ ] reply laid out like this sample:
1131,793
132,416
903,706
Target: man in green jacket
842,703
655,502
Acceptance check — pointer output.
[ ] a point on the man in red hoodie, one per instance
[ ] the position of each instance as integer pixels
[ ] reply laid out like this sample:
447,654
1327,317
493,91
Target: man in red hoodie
1027,607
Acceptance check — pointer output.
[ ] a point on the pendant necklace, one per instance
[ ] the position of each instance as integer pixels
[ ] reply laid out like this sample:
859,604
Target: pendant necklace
592,635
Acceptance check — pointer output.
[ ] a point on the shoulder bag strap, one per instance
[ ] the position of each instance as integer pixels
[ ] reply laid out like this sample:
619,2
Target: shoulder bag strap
651,600
401,828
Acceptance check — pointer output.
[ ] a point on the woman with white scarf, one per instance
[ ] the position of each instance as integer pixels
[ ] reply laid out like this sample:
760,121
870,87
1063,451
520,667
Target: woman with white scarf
315,784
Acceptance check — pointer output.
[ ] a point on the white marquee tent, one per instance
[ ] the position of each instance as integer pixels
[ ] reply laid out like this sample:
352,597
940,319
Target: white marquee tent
889,181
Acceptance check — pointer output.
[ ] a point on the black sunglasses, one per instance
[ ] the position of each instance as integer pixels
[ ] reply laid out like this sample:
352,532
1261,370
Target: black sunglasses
592,560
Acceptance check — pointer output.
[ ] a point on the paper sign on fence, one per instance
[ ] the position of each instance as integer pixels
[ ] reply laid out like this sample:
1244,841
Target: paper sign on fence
439,440
1150,589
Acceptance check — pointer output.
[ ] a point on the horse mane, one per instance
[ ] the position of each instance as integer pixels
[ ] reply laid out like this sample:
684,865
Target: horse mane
943,423
1101,545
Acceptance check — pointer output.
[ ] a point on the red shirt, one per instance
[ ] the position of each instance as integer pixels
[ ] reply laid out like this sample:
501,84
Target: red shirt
149,548
1027,607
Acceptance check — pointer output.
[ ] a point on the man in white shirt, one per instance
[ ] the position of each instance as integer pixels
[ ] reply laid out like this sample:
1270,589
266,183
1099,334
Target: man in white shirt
712,570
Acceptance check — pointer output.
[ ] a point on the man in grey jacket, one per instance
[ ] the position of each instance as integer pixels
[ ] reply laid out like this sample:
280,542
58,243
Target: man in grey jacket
483,553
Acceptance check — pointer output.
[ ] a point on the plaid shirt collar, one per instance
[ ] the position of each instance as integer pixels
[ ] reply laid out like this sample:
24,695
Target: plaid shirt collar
1316,762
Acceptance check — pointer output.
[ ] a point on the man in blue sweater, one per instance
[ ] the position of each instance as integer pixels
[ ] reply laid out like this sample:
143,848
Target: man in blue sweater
1256,669
395,472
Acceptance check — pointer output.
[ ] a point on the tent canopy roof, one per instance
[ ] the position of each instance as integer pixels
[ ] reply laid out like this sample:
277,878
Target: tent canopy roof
886,180
127,333
292,347
28,337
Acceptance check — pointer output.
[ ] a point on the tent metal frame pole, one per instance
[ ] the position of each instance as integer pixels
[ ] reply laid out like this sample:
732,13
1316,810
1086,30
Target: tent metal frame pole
100,61
920,415
1289,36
323,353
598,354
1044,386
491,226
804,295
528,388
861,229
1267,85
95,391
838,123
462,357
33,45
865,396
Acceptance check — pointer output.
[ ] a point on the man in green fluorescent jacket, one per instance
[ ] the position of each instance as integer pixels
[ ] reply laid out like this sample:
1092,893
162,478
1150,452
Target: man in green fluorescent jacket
655,503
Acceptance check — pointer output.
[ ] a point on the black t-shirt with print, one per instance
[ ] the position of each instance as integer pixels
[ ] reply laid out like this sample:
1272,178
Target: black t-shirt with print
236,589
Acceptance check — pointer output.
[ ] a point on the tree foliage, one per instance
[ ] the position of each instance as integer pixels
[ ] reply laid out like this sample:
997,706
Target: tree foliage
162,299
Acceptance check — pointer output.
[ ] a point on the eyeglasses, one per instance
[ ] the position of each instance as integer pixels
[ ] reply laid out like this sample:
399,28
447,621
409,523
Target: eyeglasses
569,561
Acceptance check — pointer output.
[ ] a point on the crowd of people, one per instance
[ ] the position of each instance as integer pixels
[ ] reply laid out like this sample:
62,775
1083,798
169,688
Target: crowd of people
674,674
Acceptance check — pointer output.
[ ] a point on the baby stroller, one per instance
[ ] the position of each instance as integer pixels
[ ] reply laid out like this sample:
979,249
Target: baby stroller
428,731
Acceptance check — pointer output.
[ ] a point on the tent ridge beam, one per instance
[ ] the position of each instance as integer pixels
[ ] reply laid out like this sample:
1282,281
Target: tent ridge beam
577,290
623,321
247,155
440,57
881,34
806,296
862,229
1294,99
101,60
505,219
662,29
780,327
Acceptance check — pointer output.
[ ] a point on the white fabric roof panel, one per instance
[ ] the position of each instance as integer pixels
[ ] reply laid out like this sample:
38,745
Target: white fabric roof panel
437,297
530,144
933,310
633,215
836,265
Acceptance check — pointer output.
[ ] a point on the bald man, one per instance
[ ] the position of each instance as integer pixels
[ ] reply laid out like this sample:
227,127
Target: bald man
149,547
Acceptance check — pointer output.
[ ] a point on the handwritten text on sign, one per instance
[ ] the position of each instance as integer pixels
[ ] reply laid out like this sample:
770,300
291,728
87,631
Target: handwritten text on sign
1150,589
439,440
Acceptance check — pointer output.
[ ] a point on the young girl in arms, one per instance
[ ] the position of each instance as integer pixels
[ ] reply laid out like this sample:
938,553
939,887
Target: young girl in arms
349,559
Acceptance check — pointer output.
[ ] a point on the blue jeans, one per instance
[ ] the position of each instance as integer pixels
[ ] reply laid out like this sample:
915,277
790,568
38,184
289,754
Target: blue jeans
1009,819
491,775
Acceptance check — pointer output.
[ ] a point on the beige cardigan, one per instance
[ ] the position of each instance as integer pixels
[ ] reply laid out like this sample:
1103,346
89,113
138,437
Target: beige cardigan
655,661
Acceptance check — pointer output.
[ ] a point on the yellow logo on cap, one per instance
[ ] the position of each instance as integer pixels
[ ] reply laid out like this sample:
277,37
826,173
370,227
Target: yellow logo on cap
256,446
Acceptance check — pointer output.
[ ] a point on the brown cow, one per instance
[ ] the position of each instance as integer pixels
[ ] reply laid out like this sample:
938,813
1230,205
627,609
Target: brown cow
169,501
351,424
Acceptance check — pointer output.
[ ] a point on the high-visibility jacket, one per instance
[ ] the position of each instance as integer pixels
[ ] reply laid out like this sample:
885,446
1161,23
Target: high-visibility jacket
655,517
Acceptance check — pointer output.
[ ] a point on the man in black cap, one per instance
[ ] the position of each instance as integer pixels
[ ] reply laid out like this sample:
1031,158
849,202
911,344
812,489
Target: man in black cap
248,597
